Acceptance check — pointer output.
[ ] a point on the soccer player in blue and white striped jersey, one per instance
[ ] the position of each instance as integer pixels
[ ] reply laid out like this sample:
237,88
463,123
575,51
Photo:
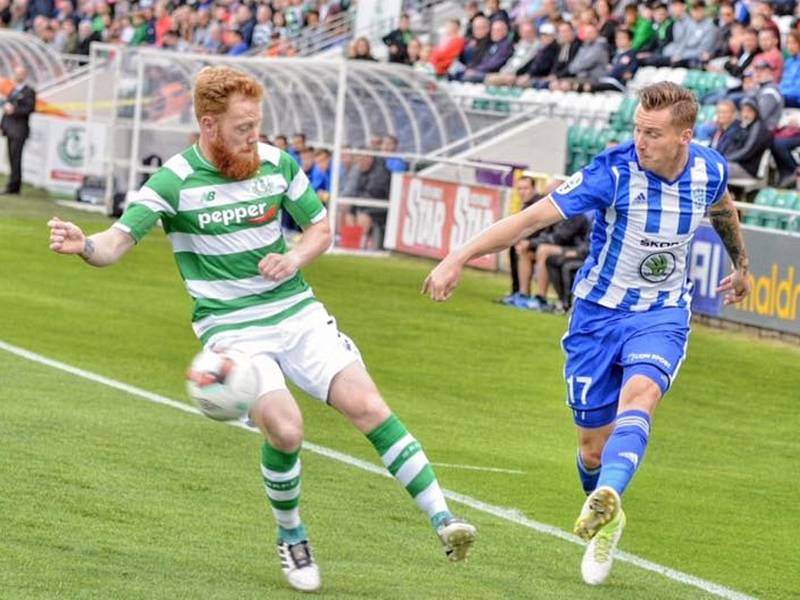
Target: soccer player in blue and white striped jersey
629,325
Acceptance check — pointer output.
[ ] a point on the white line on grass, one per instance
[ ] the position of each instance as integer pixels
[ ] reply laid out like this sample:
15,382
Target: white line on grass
508,514
476,468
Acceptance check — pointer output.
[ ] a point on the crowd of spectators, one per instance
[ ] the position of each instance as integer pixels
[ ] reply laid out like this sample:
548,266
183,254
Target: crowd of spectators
231,27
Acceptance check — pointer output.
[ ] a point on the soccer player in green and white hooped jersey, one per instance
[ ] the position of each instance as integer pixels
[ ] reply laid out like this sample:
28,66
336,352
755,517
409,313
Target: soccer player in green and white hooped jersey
220,203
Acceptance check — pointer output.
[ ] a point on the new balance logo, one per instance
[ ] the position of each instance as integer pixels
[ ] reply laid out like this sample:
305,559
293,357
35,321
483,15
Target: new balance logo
631,456
208,196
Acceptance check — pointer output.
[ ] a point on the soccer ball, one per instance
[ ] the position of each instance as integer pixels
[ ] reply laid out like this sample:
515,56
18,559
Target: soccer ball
223,385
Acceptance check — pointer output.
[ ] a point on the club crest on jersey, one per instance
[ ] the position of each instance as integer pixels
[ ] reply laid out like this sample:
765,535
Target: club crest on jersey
269,185
570,184
657,267
699,197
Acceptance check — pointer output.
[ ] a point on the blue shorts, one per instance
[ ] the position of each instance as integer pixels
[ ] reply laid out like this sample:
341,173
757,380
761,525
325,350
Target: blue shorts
605,347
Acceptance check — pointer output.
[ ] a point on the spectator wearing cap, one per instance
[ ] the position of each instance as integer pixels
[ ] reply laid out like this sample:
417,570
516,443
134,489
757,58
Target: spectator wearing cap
790,82
767,95
568,46
544,61
449,47
770,53
744,157
524,51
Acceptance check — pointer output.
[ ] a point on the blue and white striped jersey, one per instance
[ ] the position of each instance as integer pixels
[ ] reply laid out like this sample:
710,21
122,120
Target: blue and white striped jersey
643,226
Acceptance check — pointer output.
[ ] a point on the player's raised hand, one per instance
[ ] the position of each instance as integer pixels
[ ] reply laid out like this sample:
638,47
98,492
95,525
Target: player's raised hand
278,266
738,286
65,237
441,282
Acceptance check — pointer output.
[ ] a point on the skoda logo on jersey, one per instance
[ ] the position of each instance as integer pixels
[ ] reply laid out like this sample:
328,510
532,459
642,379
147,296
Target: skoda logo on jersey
657,267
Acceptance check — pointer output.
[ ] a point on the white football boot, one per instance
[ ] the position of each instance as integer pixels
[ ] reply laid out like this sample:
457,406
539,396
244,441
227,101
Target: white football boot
299,567
600,508
457,536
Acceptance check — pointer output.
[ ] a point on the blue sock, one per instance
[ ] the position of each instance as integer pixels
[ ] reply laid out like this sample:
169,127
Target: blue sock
588,476
624,450
439,518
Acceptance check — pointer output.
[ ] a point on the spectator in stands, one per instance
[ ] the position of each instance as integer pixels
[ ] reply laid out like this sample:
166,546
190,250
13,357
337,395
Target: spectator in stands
524,51
262,30
321,182
307,162
449,47
238,44
622,68
423,63
642,28
561,270
497,53
474,48
373,181
394,164
770,52
472,11
413,52
281,142
765,12
376,142
728,133
297,145
744,158
606,25
397,40
545,59
652,53
590,62
790,82
695,45
785,141
85,38
245,23
568,46
726,20
362,51
767,94
494,13
66,39
740,62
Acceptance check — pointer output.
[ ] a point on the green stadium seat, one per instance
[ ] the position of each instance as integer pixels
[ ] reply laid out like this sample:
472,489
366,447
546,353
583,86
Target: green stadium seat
785,199
622,120
692,79
765,197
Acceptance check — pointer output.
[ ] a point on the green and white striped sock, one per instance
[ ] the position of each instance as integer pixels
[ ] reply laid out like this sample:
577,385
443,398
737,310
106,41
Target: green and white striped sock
402,455
281,473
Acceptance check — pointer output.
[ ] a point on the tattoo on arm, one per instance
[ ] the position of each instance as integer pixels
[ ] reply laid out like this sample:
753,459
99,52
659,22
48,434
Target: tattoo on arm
88,249
725,221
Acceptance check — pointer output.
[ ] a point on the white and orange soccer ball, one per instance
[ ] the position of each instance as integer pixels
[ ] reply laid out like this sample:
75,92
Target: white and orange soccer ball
223,385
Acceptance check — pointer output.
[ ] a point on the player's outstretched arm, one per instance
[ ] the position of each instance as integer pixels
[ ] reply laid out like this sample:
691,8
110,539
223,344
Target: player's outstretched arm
316,240
441,282
725,221
101,249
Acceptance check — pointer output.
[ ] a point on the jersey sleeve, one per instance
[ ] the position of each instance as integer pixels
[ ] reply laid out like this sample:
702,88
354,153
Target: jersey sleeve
157,199
300,199
722,181
593,187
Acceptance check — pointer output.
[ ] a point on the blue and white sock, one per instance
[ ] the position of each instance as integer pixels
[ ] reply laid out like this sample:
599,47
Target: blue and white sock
624,450
587,476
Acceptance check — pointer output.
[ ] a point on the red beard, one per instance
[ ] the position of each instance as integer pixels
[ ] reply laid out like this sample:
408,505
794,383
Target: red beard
234,165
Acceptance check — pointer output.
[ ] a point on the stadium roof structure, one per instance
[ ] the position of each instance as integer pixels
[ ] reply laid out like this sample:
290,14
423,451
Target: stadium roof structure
301,96
44,65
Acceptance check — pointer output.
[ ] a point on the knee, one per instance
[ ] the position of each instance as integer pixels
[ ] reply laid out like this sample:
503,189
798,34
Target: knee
641,393
286,437
368,410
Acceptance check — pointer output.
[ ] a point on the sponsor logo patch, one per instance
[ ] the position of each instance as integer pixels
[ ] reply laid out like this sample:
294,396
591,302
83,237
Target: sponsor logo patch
570,184
657,267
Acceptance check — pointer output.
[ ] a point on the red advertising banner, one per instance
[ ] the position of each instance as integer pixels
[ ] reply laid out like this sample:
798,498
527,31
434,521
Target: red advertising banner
430,218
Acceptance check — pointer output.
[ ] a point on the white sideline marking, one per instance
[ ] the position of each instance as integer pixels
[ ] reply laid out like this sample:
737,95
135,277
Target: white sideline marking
509,514
476,468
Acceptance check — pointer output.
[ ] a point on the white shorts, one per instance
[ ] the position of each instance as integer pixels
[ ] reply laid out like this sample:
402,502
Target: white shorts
306,347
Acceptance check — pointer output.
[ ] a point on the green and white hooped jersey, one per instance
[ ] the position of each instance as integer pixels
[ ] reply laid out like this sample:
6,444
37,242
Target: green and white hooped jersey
220,229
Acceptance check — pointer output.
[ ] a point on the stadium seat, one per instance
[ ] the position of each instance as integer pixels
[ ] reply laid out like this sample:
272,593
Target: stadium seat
785,199
622,119
706,113
644,76
765,197
677,75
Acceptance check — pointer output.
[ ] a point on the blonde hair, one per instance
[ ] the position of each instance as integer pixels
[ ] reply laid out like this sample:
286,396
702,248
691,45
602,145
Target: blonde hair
215,85
680,101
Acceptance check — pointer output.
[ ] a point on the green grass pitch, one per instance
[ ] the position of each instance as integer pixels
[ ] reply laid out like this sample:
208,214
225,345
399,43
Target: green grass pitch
105,495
